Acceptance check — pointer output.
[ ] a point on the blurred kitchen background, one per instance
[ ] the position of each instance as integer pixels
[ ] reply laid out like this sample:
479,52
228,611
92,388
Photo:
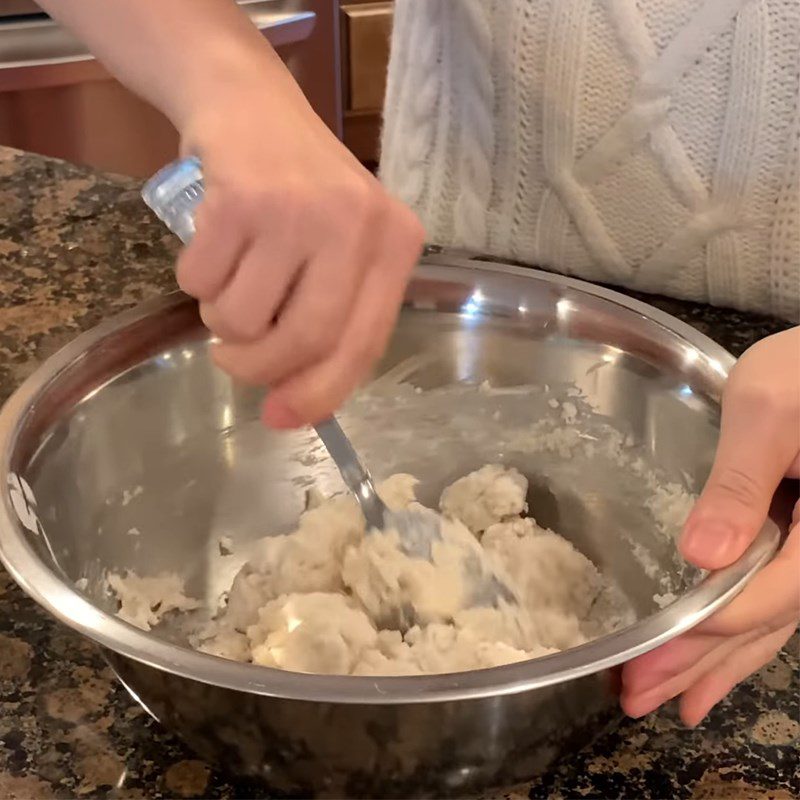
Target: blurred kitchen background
55,99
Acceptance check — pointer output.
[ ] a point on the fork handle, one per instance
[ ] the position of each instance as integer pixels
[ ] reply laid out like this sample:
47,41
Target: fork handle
354,474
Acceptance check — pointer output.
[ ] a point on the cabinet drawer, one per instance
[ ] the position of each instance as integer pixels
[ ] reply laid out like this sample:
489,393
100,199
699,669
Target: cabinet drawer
366,31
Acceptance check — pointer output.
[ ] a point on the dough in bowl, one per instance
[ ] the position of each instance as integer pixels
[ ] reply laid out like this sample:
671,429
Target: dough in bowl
316,600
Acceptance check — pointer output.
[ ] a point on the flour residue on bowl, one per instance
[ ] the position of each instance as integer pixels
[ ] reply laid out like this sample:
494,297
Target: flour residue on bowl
145,601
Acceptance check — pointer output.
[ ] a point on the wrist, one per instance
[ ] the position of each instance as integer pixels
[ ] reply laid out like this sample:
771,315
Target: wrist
234,80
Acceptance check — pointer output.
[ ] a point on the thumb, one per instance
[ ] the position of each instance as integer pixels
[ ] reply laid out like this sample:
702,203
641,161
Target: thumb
753,455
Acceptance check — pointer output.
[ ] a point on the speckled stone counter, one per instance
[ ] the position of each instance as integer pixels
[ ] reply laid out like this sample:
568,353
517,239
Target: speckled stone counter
76,247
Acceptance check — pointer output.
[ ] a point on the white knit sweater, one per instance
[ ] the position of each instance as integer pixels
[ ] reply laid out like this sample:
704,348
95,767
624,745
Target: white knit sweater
653,144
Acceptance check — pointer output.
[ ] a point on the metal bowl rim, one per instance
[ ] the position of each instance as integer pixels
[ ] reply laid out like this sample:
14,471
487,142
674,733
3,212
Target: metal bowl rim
64,602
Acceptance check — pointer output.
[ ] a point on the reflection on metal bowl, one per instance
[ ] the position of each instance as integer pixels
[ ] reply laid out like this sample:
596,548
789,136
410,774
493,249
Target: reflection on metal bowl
132,426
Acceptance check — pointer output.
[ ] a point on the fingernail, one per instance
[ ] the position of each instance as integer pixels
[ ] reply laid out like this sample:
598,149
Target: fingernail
280,417
709,544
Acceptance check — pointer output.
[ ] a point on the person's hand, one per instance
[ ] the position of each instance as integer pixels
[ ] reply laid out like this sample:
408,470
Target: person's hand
759,445
300,258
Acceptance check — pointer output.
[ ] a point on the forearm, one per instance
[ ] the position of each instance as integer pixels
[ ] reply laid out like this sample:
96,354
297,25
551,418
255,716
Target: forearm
177,54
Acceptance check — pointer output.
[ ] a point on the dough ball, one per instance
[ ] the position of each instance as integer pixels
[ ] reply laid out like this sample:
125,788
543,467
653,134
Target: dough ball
440,648
553,579
384,578
307,560
227,643
250,591
485,497
399,491
391,656
497,535
320,632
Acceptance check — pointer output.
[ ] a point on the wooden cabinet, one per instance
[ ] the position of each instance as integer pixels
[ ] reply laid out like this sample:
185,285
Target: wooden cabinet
57,101
366,32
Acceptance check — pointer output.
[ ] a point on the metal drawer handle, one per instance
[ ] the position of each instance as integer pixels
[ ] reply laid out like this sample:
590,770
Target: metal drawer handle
284,28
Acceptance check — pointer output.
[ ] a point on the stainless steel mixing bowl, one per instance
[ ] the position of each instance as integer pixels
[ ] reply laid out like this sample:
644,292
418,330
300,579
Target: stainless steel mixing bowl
129,450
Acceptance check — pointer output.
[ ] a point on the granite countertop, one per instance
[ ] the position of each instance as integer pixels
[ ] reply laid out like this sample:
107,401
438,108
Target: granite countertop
77,246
